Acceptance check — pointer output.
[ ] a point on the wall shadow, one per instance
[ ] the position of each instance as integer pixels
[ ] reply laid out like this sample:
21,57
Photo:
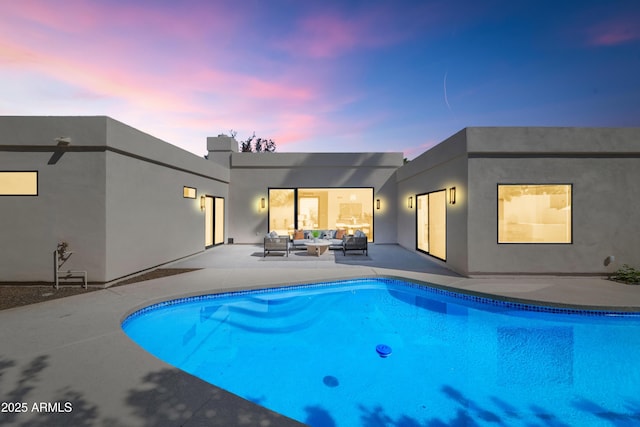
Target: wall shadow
70,408
317,416
168,397
173,397
469,413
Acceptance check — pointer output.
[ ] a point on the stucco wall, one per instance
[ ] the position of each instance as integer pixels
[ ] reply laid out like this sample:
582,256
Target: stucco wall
253,173
603,164
442,167
70,202
148,221
604,167
114,194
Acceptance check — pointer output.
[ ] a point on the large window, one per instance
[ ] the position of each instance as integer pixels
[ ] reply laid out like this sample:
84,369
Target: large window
350,209
431,223
18,183
282,211
534,213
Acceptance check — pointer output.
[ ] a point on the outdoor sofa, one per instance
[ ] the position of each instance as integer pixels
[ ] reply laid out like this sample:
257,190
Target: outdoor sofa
300,237
338,238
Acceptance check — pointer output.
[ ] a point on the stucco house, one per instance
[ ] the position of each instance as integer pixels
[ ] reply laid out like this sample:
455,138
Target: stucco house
485,201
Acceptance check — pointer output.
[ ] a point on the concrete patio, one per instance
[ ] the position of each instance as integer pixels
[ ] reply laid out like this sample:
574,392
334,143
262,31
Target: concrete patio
73,349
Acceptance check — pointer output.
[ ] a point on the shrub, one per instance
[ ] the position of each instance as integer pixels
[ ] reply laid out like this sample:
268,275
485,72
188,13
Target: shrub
627,275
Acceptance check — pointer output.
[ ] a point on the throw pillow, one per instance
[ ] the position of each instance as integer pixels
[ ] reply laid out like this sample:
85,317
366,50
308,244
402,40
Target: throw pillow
340,234
298,235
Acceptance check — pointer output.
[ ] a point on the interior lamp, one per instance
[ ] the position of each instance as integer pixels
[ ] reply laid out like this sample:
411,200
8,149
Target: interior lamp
378,204
452,195
202,203
263,203
410,202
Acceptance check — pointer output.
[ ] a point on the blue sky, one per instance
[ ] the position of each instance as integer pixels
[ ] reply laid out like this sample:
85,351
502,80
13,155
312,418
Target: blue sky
323,75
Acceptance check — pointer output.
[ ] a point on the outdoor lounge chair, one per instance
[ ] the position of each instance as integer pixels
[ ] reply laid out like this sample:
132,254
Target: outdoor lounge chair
357,242
276,244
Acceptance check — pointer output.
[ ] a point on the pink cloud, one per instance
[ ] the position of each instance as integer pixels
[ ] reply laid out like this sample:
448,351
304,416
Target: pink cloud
82,16
126,67
329,35
615,32
338,31
292,128
11,54
415,150
326,36
266,89
188,86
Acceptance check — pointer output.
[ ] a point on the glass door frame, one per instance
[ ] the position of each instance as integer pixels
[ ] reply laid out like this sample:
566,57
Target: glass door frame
429,234
210,215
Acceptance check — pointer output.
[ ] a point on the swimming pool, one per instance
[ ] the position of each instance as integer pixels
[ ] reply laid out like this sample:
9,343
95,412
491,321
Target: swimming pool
311,352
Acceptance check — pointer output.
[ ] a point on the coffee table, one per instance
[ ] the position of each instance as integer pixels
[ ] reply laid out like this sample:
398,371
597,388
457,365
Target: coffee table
317,247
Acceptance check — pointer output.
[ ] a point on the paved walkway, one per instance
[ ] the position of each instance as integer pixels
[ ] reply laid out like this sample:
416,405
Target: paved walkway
73,350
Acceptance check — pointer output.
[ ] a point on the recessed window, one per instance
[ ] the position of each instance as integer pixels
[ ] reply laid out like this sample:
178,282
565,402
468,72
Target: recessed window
18,183
189,192
534,213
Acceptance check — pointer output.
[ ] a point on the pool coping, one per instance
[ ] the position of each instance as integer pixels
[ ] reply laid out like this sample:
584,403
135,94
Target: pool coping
447,291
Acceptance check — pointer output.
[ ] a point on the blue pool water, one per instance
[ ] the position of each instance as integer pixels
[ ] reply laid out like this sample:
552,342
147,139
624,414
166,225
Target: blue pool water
312,353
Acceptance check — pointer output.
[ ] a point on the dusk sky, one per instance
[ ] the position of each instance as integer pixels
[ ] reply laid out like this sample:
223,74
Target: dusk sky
323,75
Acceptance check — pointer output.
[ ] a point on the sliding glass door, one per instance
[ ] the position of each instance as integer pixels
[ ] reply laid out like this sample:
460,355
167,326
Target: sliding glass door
422,222
208,221
213,221
218,221
431,223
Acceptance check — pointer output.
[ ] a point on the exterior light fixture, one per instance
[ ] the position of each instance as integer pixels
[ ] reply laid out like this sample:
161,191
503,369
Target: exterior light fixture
410,202
452,195
202,203
263,203
378,204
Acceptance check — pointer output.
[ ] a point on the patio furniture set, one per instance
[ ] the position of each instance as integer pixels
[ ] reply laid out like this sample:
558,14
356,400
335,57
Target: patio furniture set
316,242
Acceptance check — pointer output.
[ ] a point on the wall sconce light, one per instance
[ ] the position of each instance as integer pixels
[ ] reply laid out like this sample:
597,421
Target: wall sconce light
410,202
378,204
202,203
263,203
452,195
